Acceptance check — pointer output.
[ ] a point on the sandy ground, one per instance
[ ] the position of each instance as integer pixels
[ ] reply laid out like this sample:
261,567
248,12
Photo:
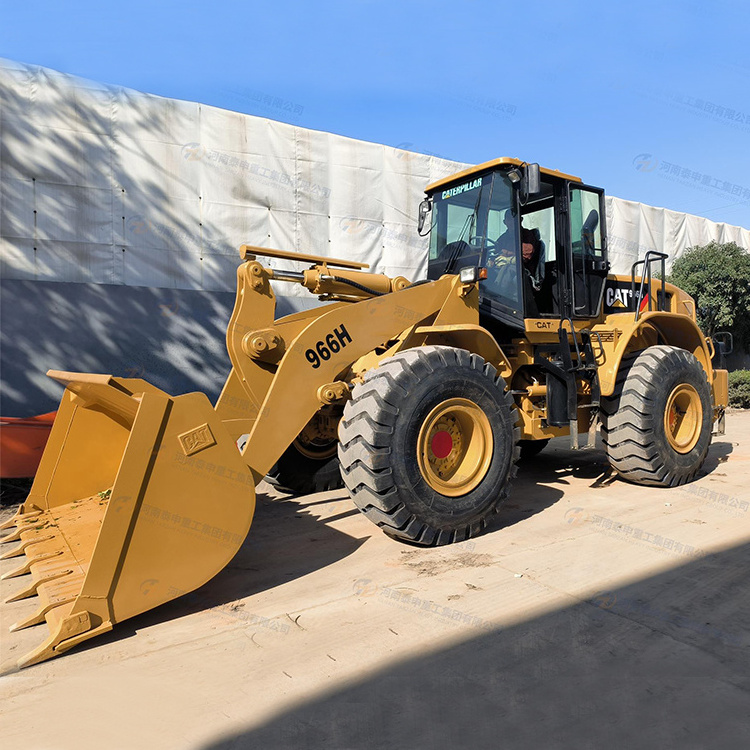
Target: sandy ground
592,614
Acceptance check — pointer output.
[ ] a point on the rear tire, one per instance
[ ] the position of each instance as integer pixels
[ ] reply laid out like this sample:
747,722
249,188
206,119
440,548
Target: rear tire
303,474
656,427
427,445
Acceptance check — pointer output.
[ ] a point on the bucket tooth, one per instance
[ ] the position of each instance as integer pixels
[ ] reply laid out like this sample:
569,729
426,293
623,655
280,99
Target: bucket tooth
11,522
26,567
31,589
53,595
22,527
68,632
39,615
18,551
14,536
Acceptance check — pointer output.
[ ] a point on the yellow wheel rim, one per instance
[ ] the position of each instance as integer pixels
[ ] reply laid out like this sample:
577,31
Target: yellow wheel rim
318,451
318,438
683,418
454,447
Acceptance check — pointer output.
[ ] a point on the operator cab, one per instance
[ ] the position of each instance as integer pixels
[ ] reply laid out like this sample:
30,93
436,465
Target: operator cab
540,234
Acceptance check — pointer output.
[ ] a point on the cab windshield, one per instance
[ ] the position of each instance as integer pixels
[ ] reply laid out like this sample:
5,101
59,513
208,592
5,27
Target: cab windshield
474,223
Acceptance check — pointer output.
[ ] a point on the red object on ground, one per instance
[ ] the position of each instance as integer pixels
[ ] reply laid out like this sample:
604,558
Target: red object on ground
22,443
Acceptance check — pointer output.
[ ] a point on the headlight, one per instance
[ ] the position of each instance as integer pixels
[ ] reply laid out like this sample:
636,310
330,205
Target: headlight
472,274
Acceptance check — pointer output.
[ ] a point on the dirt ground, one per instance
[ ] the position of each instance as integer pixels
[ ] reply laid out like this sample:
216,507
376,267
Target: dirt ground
592,614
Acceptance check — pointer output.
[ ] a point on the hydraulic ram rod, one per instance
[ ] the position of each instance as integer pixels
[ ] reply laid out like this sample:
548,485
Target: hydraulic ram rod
351,283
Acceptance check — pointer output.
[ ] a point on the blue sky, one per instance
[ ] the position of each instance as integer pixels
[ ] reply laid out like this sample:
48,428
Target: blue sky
650,100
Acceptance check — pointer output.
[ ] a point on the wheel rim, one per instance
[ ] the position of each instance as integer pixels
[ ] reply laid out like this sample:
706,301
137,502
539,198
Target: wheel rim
454,447
683,418
319,450
318,438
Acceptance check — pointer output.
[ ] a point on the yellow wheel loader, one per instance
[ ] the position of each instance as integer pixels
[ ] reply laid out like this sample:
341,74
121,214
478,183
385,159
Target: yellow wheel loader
423,393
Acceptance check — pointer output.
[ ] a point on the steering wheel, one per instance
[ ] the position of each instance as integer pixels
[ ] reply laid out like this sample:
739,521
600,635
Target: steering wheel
477,241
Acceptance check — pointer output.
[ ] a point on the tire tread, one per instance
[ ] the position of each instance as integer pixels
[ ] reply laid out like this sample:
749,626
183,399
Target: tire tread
364,447
630,424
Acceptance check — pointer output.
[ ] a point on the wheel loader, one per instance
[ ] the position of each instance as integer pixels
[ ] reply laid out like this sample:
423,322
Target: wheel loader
417,395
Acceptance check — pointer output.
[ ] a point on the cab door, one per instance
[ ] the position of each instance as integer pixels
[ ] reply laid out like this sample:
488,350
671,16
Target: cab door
586,249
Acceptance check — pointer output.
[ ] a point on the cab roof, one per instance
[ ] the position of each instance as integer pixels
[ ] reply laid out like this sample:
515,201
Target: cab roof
501,162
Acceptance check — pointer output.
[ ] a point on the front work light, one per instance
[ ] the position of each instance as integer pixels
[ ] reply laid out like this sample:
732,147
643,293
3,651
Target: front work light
472,274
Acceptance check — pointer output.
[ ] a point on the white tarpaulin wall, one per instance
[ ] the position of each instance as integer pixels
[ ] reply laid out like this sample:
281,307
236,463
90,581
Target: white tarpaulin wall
635,228
107,185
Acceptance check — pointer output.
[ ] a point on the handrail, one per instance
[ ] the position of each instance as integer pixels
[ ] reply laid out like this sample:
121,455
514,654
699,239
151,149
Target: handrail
573,334
710,345
646,262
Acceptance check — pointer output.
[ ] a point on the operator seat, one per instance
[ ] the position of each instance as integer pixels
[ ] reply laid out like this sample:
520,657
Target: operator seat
533,287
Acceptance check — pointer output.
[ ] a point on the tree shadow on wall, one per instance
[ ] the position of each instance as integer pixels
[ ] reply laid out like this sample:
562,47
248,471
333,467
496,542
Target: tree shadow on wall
173,338
93,182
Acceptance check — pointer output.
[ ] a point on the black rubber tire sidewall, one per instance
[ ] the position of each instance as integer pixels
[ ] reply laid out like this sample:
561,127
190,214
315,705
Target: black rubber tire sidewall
303,475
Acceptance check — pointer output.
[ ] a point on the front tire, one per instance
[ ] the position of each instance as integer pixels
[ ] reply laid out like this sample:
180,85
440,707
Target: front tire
427,445
656,427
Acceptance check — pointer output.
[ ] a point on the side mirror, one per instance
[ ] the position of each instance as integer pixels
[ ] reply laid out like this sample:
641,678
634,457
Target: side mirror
532,180
726,339
424,208
587,232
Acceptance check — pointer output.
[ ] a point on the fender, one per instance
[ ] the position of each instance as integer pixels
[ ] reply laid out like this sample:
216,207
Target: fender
472,337
653,328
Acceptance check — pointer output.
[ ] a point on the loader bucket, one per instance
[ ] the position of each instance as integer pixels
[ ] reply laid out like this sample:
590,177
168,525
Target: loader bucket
140,497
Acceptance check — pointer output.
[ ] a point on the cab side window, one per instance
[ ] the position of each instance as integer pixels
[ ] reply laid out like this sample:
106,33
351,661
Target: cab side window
540,290
587,249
